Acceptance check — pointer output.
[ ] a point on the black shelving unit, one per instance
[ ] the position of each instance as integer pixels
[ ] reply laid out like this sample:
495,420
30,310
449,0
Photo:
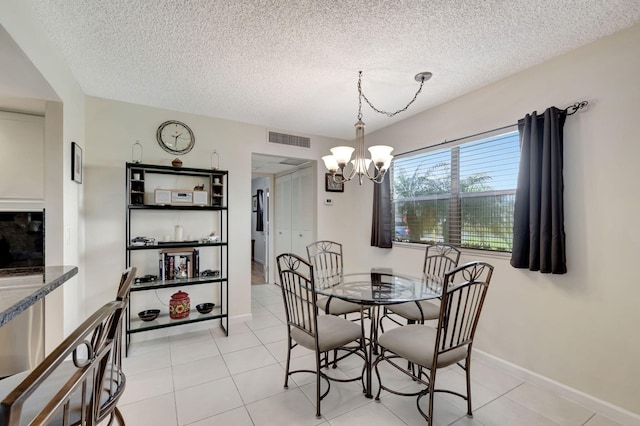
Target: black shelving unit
141,199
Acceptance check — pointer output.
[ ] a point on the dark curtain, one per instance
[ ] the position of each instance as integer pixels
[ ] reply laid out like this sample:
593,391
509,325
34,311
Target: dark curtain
259,218
538,226
382,222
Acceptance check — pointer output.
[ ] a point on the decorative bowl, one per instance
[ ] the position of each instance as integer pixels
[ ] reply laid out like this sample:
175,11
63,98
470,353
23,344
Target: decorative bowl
205,308
149,314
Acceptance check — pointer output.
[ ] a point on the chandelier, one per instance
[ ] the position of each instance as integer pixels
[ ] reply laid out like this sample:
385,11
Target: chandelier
340,158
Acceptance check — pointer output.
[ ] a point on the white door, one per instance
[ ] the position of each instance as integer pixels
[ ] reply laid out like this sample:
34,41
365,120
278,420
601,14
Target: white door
302,211
294,212
282,215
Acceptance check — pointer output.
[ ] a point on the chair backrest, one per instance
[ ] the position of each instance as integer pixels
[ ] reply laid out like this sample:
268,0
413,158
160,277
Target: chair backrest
298,292
67,392
465,288
126,281
440,258
326,258
114,378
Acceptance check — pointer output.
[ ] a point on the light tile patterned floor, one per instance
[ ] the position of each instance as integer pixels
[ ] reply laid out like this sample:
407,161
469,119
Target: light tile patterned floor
205,378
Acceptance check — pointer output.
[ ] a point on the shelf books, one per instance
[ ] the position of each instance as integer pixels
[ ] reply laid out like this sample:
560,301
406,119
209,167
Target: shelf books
175,264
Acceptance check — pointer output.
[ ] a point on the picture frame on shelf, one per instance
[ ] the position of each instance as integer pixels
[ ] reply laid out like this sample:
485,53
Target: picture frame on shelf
76,163
332,186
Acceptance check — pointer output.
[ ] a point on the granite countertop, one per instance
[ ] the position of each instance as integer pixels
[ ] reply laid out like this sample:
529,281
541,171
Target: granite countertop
21,288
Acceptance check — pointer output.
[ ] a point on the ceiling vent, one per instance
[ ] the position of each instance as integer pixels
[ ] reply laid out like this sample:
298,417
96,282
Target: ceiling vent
284,139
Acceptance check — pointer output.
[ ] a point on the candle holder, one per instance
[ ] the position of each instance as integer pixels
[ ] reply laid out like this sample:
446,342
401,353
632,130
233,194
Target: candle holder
215,160
136,152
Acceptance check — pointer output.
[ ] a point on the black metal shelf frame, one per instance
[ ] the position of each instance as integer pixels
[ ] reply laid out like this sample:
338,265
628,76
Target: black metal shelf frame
218,193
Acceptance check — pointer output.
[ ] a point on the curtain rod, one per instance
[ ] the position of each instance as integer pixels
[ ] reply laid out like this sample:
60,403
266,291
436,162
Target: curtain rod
570,110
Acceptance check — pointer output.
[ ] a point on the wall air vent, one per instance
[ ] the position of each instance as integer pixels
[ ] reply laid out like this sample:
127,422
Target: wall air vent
284,139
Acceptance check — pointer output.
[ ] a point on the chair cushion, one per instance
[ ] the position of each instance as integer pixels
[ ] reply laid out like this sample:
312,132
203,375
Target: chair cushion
333,332
410,310
416,343
337,306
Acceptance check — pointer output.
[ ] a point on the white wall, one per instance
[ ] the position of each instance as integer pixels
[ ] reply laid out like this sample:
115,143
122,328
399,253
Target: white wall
112,128
63,198
578,329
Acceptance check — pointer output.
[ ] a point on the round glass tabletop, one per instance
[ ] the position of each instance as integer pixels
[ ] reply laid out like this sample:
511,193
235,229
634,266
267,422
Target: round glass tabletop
379,287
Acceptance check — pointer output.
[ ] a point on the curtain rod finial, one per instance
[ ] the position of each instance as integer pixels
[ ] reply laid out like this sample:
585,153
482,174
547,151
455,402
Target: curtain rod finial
575,107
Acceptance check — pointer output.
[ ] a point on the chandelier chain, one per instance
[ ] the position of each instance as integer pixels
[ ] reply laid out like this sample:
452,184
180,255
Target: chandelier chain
388,114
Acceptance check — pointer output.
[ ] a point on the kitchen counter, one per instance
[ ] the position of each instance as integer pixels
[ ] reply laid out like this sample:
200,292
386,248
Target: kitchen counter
21,288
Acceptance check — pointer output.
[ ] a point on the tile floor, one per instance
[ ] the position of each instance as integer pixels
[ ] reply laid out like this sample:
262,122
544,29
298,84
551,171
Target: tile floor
205,378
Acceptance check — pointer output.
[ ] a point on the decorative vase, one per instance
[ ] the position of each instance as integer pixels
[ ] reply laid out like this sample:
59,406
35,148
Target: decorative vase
179,305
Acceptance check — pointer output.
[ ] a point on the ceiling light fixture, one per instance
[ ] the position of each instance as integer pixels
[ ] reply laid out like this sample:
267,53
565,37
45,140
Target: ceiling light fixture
380,154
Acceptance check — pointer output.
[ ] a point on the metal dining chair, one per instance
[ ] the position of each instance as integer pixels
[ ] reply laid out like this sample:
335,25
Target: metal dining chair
115,380
319,333
326,258
450,342
438,259
66,387
52,393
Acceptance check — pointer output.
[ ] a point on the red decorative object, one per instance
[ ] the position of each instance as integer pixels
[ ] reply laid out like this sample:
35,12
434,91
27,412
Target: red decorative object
179,305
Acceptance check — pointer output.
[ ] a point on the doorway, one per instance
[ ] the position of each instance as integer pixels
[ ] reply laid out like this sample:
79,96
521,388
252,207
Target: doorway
266,169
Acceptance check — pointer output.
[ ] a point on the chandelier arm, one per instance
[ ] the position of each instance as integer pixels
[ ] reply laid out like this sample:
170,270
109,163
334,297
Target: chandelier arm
377,175
343,178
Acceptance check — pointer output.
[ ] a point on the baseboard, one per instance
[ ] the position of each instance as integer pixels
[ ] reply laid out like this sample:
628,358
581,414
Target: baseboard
236,319
613,412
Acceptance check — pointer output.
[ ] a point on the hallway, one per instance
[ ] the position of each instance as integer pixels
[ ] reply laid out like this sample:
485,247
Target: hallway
257,273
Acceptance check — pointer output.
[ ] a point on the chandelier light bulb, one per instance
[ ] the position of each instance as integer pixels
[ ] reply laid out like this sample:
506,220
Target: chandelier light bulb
330,163
342,154
380,154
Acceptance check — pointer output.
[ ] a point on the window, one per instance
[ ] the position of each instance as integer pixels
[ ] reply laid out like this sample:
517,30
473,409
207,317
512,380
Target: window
461,195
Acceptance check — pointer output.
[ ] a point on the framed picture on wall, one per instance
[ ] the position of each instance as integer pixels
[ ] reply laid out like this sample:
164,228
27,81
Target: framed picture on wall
332,186
76,162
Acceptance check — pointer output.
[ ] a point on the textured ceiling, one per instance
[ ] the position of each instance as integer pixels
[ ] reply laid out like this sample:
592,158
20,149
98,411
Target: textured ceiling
292,65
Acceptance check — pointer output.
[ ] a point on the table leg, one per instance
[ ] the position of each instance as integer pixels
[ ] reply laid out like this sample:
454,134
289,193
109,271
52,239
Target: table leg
371,347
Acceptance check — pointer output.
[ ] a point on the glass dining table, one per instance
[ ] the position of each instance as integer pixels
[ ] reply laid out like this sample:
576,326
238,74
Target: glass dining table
375,289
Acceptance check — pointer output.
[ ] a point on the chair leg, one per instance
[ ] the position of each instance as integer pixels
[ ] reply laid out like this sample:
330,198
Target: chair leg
468,371
410,366
318,385
432,383
286,371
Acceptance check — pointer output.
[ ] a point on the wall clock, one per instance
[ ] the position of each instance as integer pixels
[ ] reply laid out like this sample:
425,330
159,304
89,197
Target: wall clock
175,137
